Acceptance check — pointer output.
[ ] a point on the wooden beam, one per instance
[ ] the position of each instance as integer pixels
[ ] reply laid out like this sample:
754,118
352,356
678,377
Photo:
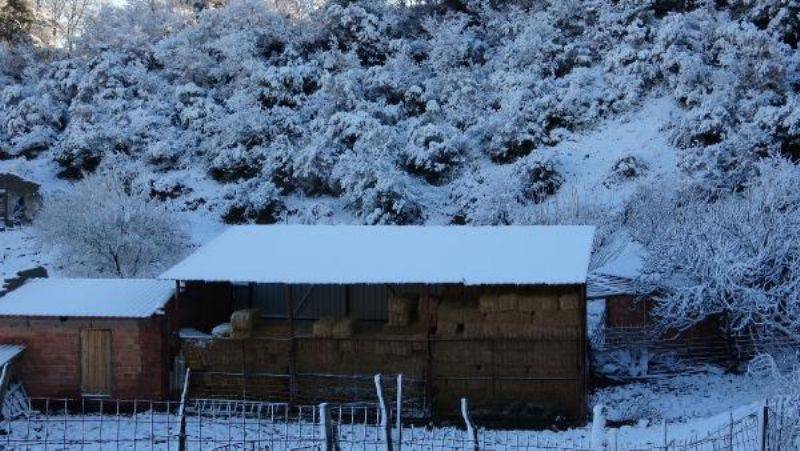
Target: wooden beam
303,299
290,310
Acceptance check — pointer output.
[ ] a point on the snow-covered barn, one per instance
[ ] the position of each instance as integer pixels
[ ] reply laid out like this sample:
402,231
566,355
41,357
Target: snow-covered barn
91,337
496,314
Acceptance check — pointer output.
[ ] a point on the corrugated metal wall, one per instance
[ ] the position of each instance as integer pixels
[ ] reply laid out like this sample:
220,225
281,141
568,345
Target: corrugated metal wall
367,302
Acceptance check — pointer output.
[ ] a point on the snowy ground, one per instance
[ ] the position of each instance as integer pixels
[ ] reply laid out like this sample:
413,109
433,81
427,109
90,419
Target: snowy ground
19,251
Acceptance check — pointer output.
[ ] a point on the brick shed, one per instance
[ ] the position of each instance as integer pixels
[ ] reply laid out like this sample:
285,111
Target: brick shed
91,337
494,314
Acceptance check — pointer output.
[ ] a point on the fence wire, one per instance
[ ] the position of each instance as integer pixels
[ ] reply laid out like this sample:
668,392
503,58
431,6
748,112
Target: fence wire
218,424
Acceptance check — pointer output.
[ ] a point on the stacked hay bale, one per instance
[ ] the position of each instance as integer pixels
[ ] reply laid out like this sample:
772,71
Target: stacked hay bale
323,328
402,310
503,346
329,327
243,322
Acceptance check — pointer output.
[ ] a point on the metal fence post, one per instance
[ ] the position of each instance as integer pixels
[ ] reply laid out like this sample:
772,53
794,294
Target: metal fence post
182,412
472,433
399,409
386,426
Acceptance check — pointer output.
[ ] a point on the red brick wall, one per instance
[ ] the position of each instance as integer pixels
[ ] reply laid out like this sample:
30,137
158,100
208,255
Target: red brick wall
50,365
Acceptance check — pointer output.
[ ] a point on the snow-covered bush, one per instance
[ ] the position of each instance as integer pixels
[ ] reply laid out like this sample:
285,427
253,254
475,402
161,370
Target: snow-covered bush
539,178
373,187
625,169
432,152
235,164
105,227
734,259
254,201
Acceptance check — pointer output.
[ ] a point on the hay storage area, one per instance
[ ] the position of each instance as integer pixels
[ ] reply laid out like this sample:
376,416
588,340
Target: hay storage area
515,349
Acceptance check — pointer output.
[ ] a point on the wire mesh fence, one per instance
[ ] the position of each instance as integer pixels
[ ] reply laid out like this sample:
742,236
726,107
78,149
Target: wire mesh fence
217,424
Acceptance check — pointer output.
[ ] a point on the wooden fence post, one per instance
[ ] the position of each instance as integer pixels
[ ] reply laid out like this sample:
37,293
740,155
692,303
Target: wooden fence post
330,434
399,408
3,385
182,412
763,425
612,441
730,431
386,426
472,433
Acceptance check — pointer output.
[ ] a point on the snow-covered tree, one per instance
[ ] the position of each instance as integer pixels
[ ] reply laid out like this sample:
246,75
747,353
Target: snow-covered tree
105,226
735,259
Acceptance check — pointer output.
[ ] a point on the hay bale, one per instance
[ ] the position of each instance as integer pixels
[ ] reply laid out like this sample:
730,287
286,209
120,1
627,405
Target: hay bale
498,302
458,312
569,301
345,328
243,322
401,310
511,318
323,328
539,301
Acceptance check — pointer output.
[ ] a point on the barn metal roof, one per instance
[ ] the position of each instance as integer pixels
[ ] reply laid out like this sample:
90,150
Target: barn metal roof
94,298
9,352
519,255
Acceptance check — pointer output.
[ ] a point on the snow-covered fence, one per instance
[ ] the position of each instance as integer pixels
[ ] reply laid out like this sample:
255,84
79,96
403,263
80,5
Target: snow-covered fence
236,424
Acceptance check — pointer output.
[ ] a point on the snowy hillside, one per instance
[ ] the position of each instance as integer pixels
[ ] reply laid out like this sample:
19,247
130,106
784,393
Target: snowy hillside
363,112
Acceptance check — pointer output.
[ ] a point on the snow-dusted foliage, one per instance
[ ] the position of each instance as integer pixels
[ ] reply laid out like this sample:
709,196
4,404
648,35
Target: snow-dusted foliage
401,114
106,225
733,259
253,201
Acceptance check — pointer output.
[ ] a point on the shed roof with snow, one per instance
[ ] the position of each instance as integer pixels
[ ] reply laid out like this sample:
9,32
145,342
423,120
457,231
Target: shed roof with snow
91,298
508,255
9,352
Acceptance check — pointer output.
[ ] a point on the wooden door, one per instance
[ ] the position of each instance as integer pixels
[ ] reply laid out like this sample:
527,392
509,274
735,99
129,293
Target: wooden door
96,362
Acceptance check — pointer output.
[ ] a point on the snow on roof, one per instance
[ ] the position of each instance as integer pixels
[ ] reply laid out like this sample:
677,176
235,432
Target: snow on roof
98,298
599,285
522,255
9,352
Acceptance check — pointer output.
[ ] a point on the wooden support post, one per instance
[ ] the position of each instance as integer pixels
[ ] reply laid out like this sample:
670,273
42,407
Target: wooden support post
386,426
292,347
428,404
399,408
472,433
182,412
347,303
